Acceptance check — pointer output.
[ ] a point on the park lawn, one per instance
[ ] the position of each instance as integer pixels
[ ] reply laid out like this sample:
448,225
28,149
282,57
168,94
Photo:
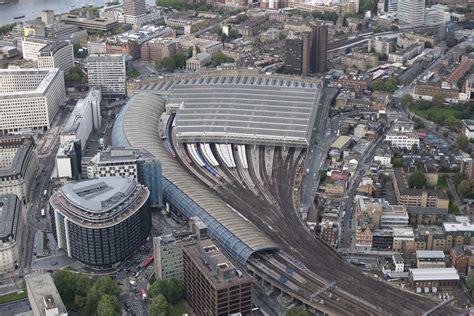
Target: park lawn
445,111
179,309
11,297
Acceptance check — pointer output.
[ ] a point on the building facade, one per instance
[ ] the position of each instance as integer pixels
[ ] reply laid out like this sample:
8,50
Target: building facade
18,166
212,283
319,46
108,72
101,222
29,98
56,55
411,12
11,230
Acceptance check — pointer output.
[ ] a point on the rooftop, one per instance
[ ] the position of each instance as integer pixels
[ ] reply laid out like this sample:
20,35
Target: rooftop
8,74
122,154
100,202
10,208
80,111
341,142
244,110
431,254
44,293
53,47
458,227
23,146
434,274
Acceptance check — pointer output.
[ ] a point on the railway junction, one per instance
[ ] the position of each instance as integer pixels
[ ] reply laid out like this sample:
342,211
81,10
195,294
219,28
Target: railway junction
232,147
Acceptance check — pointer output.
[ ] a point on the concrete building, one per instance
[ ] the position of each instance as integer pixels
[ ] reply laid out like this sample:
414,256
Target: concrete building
430,238
43,296
212,283
429,279
468,128
394,216
134,7
380,45
130,163
84,119
411,13
68,160
56,55
319,46
168,252
101,222
30,99
198,60
402,135
18,166
467,168
399,262
108,73
405,54
11,231
96,24
429,259
31,47
403,239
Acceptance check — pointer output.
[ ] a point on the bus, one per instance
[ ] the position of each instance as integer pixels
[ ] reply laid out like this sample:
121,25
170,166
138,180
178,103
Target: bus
143,294
147,262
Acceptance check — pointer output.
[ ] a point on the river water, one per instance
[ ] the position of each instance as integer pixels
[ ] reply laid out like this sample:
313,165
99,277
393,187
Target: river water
32,8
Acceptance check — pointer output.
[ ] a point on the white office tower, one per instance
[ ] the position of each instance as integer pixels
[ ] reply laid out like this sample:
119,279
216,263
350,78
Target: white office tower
411,13
31,47
29,98
108,73
56,55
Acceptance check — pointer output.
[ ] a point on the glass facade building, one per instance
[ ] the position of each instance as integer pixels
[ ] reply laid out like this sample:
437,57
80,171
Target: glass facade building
149,174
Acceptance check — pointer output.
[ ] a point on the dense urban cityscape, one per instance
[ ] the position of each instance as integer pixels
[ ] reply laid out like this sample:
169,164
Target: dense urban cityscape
233,157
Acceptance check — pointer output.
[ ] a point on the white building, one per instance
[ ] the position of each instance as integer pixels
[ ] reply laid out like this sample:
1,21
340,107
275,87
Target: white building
29,98
96,48
11,228
468,128
108,73
68,160
402,135
31,47
56,55
411,12
384,159
18,165
84,118
43,296
399,262
394,216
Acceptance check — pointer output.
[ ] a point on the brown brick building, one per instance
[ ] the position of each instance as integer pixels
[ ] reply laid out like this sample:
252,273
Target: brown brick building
212,284
157,49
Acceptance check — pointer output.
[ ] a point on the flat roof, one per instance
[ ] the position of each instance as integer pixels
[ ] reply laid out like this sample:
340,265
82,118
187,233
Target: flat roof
49,74
431,254
10,209
244,110
42,289
23,145
458,227
434,274
341,141
80,111
137,126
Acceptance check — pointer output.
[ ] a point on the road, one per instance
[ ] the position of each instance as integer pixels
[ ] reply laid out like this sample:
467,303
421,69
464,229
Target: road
318,148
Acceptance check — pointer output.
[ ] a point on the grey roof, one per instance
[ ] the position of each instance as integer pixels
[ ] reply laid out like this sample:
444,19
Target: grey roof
10,209
138,128
41,287
431,274
430,254
98,195
54,47
427,210
244,110
19,163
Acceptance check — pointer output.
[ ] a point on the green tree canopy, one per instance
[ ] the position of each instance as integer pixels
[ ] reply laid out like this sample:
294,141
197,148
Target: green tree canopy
438,100
171,289
102,286
75,74
159,306
219,58
462,141
180,60
72,287
367,5
406,100
296,311
108,305
166,64
466,188
417,180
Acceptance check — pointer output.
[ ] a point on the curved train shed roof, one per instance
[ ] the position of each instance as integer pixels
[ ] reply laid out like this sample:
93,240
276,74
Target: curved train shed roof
137,126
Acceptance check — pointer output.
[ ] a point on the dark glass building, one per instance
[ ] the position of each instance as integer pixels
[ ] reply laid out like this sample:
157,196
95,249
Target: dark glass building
319,47
101,222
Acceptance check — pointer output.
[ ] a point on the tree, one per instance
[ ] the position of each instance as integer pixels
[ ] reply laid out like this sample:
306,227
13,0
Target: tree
171,289
406,101
464,188
438,100
108,305
397,162
102,286
180,60
219,58
470,281
417,180
72,287
462,141
75,74
296,311
367,5
451,121
159,306
166,64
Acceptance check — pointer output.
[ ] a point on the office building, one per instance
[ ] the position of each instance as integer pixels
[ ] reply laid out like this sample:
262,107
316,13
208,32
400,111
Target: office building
56,55
402,135
31,47
168,252
212,284
18,166
467,168
433,280
43,296
134,7
29,98
11,229
159,48
319,46
108,73
101,222
390,6
429,259
411,13
132,163
294,54
96,24
68,160
84,119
